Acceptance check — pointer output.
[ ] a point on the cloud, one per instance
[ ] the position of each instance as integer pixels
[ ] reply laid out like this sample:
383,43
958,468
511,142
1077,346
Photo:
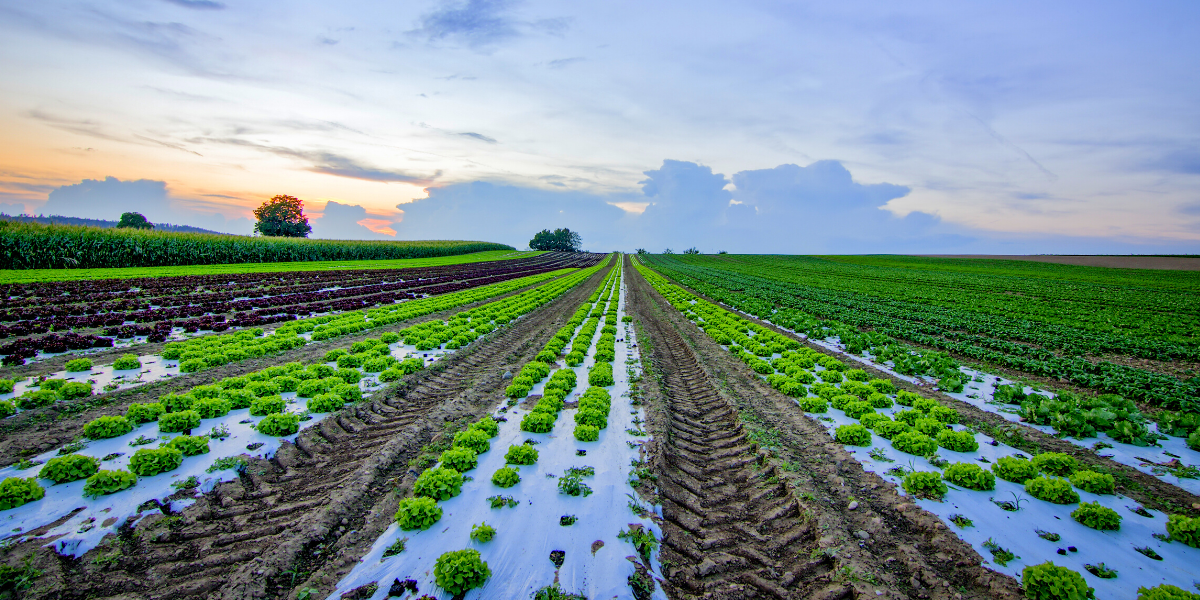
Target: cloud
564,62
1184,162
478,136
109,197
198,4
478,22
12,209
331,163
350,222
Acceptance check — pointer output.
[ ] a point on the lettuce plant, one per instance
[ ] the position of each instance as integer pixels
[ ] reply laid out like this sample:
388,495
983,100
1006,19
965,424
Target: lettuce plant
908,417
854,435
1052,489
879,400
506,477
139,413
870,420
488,426
813,405
152,461
75,389
929,427
265,406
71,467
79,364
591,416
586,433
15,491
7,409
190,445
1091,481
925,484
459,458
460,571
857,409
176,402
882,386
238,398
175,422
325,403
211,408
521,454
1184,529
279,424
914,442
1055,463
944,414
127,362
539,422
957,441
1048,581
602,375
483,533
107,427
473,439
37,399
439,483
970,475
1093,515
418,513
890,429
1015,469
108,482
1165,591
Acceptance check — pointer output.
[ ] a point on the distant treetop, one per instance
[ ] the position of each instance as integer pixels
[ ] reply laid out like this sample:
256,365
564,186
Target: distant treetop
132,220
559,240
282,216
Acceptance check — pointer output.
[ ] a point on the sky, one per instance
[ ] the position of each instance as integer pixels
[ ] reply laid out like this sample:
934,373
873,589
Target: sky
783,127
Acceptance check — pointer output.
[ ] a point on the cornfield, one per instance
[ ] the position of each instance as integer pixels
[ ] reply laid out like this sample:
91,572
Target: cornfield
36,246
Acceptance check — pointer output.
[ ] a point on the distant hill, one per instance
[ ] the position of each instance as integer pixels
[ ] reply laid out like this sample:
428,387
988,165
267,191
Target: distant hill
61,220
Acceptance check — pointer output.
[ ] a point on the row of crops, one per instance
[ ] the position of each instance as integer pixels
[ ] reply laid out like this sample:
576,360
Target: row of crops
105,313
1058,527
968,322
535,500
37,246
82,378
193,440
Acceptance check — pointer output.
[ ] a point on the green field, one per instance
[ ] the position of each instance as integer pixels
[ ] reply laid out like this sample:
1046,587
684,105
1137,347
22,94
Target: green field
40,275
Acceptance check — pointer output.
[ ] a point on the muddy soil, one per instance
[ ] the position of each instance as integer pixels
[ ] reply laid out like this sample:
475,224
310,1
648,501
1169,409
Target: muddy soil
1146,489
304,518
35,431
756,495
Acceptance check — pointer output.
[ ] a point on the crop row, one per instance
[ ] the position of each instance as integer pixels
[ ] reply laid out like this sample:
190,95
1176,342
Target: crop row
810,311
193,305
323,387
920,430
36,246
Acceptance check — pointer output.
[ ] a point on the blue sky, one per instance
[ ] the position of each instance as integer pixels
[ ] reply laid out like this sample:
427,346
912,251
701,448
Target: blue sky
751,126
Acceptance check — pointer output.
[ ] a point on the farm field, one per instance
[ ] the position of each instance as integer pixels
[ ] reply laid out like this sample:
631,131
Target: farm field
573,425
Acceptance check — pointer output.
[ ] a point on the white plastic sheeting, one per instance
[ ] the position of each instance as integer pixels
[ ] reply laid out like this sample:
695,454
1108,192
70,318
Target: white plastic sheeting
519,555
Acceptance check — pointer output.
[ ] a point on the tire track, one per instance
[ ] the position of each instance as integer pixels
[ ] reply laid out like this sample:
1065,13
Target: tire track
312,510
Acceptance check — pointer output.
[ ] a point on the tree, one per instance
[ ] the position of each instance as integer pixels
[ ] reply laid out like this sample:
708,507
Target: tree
642,251
282,216
668,251
559,240
132,220
691,250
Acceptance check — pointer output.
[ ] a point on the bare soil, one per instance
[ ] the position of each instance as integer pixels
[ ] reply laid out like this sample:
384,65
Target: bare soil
756,494
1165,263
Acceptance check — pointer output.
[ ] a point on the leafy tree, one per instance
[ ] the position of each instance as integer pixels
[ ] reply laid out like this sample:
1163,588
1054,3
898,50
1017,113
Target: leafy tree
559,240
282,216
691,250
642,251
668,251
722,252
134,220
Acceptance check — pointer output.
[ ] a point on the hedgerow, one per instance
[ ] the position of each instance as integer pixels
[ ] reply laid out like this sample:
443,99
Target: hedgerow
71,467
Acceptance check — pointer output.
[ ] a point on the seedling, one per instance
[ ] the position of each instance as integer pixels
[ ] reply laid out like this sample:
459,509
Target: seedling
961,521
1001,555
396,548
567,520
1013,505
502,501
1101,571
1048,536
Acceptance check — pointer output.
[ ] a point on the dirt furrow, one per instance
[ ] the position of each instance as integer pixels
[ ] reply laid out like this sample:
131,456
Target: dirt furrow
775,518
303,518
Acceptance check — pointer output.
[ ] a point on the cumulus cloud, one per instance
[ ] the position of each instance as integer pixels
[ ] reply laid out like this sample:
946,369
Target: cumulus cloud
350,222
478,22
109,197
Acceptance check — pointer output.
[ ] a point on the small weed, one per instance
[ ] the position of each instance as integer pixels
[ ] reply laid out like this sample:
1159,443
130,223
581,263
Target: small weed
879,454
219,432
1141,512
73,447
1148,552
237,463
27,464
502,501
642,538
308,593
1001,555
142,440
636,433
187,484
1048,536
1013,505
961,521
112,456
1101,571
567,520
107,560
636,507
396,548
